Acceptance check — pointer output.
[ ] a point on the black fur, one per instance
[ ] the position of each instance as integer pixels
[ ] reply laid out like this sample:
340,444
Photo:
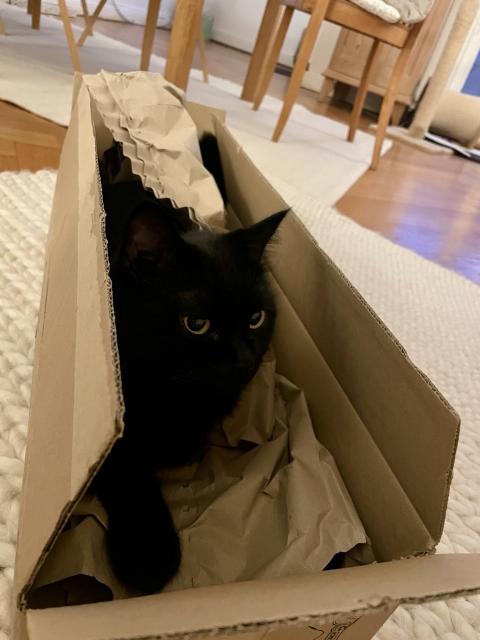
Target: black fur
177,386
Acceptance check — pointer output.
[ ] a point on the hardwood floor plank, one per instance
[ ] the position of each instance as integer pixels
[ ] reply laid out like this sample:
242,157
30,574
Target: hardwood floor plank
34,157
7,148
9,163
36,138
19,118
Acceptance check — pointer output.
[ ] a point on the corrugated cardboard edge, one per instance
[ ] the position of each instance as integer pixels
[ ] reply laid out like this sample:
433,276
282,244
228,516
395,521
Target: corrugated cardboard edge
119,423
387,585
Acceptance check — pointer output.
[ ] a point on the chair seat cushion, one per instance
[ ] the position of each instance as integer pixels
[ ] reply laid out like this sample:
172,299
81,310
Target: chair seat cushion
406,11
380,9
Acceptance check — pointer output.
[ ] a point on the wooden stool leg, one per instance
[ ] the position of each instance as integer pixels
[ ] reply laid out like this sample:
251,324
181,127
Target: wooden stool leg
2,27
362,92
69,35
203,53
397,113
303,58
262,43
149,33
326,90
391,94
272,59
89,21
36,8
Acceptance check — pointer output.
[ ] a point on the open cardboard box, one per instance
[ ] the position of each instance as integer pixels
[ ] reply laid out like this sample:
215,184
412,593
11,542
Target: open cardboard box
391,433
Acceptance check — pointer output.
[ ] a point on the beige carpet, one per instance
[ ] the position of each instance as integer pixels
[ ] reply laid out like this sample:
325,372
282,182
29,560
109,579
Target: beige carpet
313,155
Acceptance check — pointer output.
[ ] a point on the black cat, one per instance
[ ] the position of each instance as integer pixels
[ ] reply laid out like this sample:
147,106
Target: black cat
194,317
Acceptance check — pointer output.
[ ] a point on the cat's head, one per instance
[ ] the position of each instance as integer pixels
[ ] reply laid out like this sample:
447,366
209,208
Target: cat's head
195,301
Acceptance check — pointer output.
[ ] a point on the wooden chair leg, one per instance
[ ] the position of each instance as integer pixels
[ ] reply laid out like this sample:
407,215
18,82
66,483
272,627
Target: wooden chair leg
69,35
203,53
186,25
389,99
272,58
262,43
362,92
305,51
149,33
2,27
36,8
89,21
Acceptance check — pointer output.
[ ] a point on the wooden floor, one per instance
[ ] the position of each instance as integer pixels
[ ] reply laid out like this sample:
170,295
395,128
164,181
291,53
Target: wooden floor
430,204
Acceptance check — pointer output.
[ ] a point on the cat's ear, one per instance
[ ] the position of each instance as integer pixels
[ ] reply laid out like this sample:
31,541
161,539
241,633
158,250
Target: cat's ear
152,239
254,239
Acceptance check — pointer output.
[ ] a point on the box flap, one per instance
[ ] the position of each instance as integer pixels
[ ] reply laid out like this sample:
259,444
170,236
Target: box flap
247,605
76,404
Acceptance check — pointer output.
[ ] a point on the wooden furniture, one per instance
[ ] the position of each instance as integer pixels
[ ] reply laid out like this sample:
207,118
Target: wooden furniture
277,17
186,33
351,52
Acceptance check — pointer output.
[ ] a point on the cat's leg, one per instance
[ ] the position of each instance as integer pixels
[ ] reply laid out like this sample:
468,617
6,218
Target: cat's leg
143,543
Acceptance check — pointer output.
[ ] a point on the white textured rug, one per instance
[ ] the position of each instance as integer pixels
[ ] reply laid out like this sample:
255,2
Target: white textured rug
36,74
434,313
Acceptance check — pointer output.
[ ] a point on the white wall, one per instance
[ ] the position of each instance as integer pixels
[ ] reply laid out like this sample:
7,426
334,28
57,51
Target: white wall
237,23
322,53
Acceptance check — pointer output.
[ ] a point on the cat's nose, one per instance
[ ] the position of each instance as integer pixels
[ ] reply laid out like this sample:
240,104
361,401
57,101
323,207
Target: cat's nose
243,356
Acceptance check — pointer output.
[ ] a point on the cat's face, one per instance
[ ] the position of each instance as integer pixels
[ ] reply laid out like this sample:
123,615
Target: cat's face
197,303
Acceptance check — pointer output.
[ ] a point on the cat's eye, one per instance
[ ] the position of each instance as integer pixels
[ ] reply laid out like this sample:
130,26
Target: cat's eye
257,319
195,325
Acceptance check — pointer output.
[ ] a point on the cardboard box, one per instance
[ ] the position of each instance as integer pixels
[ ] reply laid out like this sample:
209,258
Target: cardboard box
392,434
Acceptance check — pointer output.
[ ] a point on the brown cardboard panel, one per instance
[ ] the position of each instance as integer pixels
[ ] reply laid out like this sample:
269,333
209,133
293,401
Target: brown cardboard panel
392,524
390,396
76,403
247,605
204,117
48,457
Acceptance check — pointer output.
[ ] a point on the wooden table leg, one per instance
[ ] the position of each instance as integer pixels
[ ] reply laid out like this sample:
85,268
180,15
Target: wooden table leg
259,55
36,7
186,25
149,33
72,45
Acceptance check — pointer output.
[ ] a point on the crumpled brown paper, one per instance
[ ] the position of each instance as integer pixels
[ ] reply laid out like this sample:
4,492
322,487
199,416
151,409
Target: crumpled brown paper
146,114
266,489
